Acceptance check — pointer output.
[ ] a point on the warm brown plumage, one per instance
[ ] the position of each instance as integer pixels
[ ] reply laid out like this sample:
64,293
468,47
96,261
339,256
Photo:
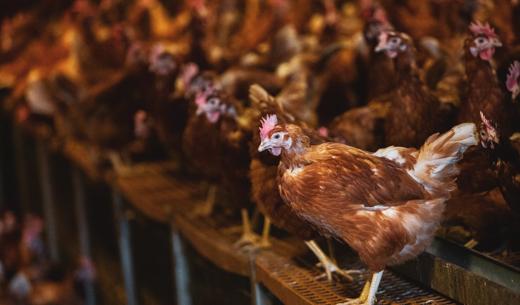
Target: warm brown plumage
386,205
108,119
485,216
95,54
414,113
377,69
482,94
264,171
505,164
216,147
361,127
202,137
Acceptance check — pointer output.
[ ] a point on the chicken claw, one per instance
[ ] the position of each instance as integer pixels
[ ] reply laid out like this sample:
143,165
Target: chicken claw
332,268
368,294
471,244
248,237
327,264
264,241
206,208
362,299
119,166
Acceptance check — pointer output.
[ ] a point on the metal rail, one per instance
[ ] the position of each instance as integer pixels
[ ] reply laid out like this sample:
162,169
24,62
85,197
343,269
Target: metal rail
125,248
49,212
180,268
82,220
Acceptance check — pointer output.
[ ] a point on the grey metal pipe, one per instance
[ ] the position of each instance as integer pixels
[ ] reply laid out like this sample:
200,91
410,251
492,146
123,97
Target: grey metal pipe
181,270
125,248
46,183
82,219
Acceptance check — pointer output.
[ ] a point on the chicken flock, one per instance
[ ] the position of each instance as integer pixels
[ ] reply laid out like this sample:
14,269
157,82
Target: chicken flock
369,122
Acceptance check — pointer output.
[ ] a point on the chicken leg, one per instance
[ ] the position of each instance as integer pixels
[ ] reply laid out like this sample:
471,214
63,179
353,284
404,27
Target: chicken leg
327,263
471,244
248,237
368,295
205,209
264,241
118,164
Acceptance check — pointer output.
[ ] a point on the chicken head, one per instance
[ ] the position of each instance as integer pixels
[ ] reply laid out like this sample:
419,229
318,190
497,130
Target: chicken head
484,42
393,43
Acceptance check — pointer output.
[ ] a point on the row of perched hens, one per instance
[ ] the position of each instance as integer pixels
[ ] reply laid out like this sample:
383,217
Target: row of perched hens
179,77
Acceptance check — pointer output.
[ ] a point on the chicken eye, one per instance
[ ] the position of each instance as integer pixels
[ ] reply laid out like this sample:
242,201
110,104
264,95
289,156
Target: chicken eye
212,101
480,40
276,136
394,40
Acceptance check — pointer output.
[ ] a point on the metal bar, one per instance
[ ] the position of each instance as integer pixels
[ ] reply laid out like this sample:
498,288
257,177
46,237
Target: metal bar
125,248
477,263
21,168
181,270
82,220
463,276
2,164
258,294
48,199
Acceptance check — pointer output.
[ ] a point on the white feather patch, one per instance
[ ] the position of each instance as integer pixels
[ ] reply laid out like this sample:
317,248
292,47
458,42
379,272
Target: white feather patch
294,171
391,153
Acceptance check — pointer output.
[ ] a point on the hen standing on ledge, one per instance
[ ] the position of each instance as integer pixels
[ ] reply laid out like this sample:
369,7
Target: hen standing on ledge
386,205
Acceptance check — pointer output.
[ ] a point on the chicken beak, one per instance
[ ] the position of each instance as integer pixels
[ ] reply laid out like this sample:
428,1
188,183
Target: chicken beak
200,110
380,47
263,146
516,92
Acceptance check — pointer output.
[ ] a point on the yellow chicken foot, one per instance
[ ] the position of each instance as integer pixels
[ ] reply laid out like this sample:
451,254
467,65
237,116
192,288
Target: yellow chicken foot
248,237
327,264
118,165
471,244
368,294
264,241
205,209
362,297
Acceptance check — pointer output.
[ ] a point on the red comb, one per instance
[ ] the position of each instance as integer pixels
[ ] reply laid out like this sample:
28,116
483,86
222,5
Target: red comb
478,28
323,131
512,76
268,123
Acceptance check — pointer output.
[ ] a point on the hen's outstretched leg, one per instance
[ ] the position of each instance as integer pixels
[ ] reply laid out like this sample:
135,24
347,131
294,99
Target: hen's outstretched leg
205,209
327,264
368,295
471,244
248,237
264,241
118,164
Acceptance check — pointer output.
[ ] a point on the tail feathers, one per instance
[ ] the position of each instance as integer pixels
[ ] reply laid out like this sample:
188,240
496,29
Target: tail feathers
266,103
259,96
436,161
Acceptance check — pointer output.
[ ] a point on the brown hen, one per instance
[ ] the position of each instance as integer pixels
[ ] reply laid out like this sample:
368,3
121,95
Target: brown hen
386,205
